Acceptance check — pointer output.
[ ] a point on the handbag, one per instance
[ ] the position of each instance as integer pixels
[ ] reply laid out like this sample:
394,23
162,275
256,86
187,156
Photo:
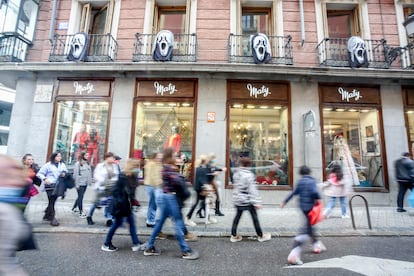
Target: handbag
410,199
315,215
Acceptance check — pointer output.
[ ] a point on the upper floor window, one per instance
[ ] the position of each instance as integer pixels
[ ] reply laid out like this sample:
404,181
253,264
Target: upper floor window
97,17
342,24
19,16
171,19
255,21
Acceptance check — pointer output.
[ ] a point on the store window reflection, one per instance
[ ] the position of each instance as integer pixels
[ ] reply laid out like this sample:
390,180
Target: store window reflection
81,126
352,139
159,125
260,132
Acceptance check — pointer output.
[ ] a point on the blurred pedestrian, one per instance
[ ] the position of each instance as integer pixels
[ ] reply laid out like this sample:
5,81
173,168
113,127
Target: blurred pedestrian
308,196
152,182
31,169
246,198
211,179
14,230
174,192
121,206
335,188
404,173
82,174
49,173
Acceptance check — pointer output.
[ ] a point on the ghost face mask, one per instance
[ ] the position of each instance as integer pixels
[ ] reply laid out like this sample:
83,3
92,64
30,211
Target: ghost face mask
78,47
163,46
357,52
260,48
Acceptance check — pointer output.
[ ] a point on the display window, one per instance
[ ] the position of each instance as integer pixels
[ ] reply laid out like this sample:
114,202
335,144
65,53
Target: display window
408,94
258,128
81,122
164,117
352,134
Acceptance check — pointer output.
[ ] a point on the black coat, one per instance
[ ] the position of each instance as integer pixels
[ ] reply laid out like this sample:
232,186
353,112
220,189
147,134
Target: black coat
200,178
121,204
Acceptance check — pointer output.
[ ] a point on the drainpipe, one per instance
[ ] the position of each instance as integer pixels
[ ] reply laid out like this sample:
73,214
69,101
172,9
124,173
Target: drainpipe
52,21
302,23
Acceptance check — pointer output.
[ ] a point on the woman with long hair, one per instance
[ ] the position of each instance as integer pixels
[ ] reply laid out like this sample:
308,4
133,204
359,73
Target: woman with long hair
82,174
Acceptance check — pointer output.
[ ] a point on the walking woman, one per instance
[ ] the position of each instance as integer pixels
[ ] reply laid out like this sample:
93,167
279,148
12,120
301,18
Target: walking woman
82,174
152,182
49,173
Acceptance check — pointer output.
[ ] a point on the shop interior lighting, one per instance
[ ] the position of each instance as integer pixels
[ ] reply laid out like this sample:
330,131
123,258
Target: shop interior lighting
159,104
410,112
185,104
172,104
147,104
364,110
352,110
250,106
237,106
327,109
340,109
277,107
264,107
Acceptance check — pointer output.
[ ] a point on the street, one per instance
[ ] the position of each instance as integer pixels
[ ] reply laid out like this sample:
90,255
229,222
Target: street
81,254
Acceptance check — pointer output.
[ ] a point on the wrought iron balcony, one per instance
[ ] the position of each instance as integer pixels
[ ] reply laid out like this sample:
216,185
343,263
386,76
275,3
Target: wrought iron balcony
184,49
239,49
334,52
13,47
101,48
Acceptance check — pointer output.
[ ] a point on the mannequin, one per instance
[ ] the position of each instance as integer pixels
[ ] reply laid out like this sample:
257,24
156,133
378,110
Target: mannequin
80,141
343,154
174,140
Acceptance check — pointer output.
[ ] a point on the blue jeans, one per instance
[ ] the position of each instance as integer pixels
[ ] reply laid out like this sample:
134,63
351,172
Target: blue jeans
152,205
331,204
117,223
79,201
169,208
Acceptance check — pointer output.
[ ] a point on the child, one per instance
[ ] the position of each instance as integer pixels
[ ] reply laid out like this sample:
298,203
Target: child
308,196
334,188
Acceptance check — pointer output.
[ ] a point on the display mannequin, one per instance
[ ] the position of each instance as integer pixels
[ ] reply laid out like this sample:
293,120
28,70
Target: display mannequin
80,141
343,154
174,140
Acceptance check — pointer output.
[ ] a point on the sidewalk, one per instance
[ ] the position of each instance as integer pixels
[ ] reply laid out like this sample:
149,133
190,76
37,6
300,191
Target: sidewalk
385,221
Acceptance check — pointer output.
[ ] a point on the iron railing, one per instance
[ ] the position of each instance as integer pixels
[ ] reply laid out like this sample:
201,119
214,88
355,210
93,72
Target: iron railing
239,49
184,49
102,47
403,55
13,47
334,52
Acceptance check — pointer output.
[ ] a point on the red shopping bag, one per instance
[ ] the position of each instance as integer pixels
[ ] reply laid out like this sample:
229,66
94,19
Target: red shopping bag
315,215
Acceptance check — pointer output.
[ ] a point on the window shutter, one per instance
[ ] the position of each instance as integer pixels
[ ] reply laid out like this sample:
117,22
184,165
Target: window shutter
85,18
109,16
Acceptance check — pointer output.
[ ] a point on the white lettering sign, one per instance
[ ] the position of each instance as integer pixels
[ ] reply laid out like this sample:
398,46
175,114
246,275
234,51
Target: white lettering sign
162,89
81,89
254,91
346,96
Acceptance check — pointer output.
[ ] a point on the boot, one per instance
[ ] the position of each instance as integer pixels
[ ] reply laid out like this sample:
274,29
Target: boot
200,214
218,213
89,220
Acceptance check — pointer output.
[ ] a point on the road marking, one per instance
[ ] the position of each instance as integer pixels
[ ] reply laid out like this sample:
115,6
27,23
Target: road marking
365,265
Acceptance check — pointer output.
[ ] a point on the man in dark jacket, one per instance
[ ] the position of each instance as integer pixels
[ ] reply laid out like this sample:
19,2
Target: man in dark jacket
404,173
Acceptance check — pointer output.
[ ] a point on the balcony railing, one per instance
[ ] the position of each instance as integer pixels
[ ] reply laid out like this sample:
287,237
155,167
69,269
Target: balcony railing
102,47
334,52
13,47
184,49
239,49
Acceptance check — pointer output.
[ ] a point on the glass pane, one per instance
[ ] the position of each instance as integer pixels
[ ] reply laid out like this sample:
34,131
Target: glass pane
255,22
352,139
339,26
27,19
260,132
81,126
173,21
159,125
8,16
410,118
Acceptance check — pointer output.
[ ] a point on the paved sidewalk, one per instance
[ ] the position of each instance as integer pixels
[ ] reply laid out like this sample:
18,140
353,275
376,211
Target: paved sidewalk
285,222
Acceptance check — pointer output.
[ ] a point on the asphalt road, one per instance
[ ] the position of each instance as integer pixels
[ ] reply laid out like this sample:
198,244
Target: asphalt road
80,254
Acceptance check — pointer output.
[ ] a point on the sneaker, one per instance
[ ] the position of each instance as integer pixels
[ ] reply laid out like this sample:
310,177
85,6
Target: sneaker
189,222
109,223
109,248
345,216
151,252
82,215
191,237
75,211
401,210
211,220
89,220
236,238
264,237
139,247
150,225
162,236
191,255
293,258
318,247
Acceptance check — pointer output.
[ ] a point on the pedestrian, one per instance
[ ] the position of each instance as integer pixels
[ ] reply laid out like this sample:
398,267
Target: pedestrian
308,196
152,182
199,181
246,198
121,207
404,173
49,173
14,229
173,194
105,175
82,174
211,175
31,169
335,188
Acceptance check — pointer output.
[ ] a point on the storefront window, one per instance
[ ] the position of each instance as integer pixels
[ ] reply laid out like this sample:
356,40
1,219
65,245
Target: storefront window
352,139
260,132
81,126
159,125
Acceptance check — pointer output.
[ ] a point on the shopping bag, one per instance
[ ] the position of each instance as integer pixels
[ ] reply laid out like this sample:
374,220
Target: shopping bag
411,199
315,215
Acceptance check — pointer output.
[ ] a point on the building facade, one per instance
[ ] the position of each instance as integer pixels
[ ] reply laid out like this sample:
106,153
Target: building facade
286,83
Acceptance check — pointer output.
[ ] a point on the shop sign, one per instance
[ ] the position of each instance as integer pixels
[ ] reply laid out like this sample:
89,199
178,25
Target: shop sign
211,117
161,89
347,95
84,88
254,91
165,88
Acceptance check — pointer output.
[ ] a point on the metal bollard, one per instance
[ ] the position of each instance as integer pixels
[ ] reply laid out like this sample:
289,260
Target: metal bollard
352,212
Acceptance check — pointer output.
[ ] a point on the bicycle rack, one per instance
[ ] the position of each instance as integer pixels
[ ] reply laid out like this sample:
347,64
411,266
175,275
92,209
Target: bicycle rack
352,212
